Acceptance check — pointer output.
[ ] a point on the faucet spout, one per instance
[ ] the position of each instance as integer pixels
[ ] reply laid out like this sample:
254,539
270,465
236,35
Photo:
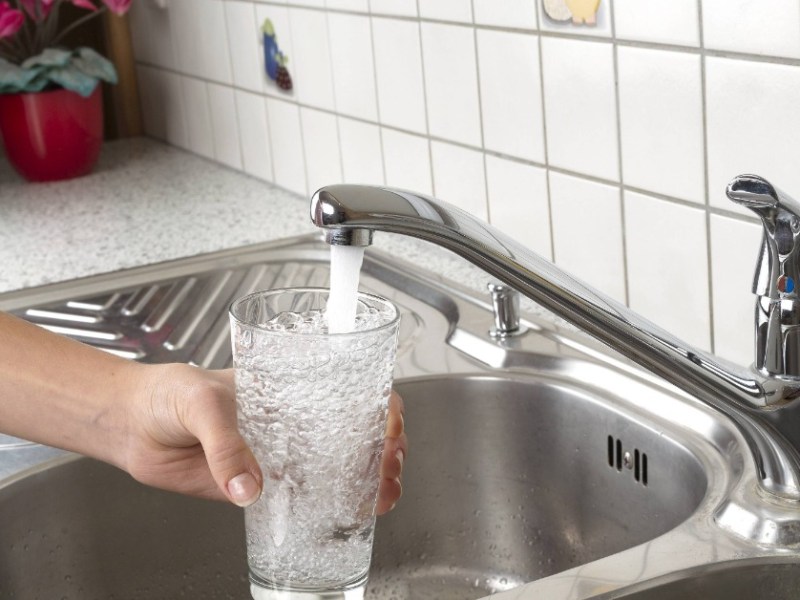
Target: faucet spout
749,398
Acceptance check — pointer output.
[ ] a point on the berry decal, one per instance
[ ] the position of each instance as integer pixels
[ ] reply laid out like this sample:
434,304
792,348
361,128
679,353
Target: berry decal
275,60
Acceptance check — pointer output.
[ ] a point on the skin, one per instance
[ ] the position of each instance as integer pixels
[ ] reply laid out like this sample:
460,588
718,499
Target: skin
170,426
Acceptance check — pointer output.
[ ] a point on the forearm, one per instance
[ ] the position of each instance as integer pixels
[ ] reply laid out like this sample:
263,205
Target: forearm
60,392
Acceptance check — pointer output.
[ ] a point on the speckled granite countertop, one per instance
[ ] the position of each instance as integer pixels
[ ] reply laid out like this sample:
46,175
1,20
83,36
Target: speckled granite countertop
146,203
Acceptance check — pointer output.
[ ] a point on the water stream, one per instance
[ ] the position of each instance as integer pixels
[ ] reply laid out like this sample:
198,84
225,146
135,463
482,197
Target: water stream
345,273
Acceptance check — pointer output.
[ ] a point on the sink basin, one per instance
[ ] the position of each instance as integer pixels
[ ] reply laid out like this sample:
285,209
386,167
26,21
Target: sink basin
510,480
541,466
768,579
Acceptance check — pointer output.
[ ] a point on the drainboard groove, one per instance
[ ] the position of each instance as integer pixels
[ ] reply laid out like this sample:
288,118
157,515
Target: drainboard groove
174,297
95,303
214,350
203,308
139,300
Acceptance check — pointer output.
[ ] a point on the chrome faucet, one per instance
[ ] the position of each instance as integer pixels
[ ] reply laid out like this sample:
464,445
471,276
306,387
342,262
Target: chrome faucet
761,400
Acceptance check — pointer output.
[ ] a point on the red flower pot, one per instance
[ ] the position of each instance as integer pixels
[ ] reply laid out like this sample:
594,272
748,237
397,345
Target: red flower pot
52,135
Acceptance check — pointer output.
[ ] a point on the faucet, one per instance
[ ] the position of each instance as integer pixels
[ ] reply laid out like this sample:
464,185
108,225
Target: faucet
761,400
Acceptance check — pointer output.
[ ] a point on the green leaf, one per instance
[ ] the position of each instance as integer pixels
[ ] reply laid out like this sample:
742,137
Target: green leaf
51,57
92,64
73,79
78,71
15,79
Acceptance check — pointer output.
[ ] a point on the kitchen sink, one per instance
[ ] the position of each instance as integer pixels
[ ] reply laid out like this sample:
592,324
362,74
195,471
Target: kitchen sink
541,465
766,579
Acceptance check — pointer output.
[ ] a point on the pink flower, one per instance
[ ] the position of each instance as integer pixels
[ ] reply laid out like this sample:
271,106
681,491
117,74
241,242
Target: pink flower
119,7
87,4
10,20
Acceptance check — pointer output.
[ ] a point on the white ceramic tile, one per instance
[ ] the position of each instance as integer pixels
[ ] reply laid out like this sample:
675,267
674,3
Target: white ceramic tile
667,257
403,8
224,123
734,248
362,156
286,145
201,38
459,177
355,5
446,10
673,22
244,38
353,69
151,34
753,125
161,97
511,94
279,15
198,117
321,146
580,106
753,26
451,82
508,13
151,101
407,160
313,3
661,122
254,134
587,232
398,62
311,65
518,203
564,23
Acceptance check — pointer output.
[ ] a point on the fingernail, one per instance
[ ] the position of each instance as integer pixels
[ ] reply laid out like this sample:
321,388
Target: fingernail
244,489
400,456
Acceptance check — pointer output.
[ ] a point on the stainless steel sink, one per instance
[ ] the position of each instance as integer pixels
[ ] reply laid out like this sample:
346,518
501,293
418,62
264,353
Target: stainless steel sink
766,579
541,466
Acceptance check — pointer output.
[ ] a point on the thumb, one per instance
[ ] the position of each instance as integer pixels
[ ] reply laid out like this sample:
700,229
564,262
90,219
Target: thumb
231,462
233,467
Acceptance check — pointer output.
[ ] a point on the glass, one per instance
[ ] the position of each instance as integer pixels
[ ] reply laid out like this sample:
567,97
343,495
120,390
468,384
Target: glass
312,406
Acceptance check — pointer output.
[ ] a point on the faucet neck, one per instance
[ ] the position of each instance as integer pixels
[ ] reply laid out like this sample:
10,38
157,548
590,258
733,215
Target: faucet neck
740,393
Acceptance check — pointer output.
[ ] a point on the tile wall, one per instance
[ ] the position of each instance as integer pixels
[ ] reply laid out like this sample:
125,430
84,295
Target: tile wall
605,148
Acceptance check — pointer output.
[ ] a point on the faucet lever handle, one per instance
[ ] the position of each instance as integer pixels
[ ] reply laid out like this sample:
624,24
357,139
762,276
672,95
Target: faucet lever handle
777,274
760,196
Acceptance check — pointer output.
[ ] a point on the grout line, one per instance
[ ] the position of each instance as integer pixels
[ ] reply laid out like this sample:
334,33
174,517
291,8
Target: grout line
233,91
707,191
546,165
273,177
375,90
486,200
620,169
336,116
425,102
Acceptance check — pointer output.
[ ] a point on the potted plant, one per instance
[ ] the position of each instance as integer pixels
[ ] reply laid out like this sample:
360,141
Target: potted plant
51,111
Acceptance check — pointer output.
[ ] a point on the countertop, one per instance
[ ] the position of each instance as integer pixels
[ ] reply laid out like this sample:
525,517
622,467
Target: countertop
147,202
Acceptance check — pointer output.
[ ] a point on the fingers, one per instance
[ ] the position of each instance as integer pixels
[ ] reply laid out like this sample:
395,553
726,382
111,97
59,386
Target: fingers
395,449
235,470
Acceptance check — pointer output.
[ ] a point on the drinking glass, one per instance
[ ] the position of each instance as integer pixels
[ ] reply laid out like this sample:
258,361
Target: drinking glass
312,406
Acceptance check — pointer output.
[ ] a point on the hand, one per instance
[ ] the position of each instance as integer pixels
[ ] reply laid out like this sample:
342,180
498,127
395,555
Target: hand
182,436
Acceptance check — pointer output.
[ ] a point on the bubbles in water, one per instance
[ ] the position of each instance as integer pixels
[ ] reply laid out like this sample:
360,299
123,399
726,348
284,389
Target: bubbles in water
313,411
